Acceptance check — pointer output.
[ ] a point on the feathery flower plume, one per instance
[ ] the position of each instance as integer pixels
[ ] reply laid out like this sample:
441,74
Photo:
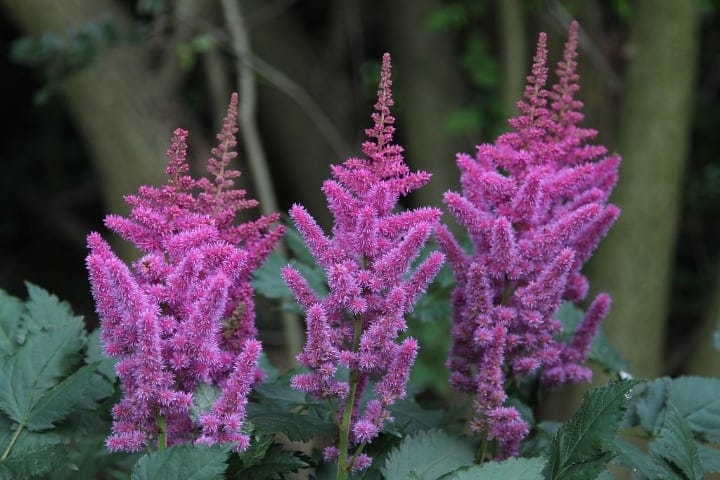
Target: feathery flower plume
368,261
183,314
534,204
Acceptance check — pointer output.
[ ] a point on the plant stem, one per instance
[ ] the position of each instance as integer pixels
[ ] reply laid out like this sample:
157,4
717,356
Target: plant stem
14,438
342,471
162,432
481,452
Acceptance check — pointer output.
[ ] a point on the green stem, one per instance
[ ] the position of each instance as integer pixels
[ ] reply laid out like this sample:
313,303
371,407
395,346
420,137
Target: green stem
342,471
480,459
162,432
14,438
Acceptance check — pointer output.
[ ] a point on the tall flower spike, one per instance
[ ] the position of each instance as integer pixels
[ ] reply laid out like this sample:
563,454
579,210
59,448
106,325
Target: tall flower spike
183,316
368,263
534,204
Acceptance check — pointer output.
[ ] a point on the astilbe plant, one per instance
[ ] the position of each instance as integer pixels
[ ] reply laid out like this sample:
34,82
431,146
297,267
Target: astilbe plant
535,206
183,314
372,285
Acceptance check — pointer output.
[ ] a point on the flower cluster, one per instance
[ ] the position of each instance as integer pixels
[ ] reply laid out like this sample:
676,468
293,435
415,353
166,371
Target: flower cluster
183,315
372,285
535,206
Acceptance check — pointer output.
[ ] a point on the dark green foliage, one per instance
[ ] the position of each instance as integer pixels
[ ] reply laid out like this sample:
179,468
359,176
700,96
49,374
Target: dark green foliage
510,469
273,464
59,55
678,416
49,396
586,443
675,446
183,461
427,456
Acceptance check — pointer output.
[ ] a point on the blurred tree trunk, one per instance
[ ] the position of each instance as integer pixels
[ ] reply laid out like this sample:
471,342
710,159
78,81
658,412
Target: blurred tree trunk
635,262
299,153
514,57
427,90
124,109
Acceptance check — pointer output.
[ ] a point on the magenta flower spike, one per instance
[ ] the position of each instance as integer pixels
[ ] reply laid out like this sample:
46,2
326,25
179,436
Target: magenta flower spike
183,314
535,206
368,262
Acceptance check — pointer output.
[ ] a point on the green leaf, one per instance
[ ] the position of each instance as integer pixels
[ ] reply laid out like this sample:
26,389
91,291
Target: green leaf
271,373
268,420
541,440
510,469
314,275
102,383
427,456
601,351
44,359
586,442
709,457
255,452
296,244
11,309
203,399
638,461
32,454
267,280
183,461
411,418
43,310
716,339
698,400
60,400
277,461
676,445
648,404
279,393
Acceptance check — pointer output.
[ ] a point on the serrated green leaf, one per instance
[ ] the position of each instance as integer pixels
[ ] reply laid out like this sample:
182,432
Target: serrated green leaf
255,452
279,393
94,354
649,404
411,418
11,309
268,420
37,366
102,383
586,442
203,399
510,469
541,440
276,461
34,454
427,456
59,401
183,461
676,445
709,457
640,463
698,400
267,280
44,310
601,351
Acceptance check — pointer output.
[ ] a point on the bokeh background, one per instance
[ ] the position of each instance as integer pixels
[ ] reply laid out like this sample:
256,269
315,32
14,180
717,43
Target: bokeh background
92,89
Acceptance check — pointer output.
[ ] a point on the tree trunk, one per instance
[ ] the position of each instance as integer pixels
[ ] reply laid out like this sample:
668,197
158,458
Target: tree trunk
634,263
125,111
427,90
